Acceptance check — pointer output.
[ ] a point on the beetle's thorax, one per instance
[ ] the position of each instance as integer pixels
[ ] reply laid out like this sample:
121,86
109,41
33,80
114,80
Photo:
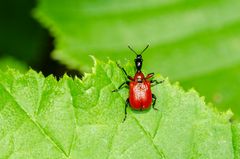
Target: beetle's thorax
139,77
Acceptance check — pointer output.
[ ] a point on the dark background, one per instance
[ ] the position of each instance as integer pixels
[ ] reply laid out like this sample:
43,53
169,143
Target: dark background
24,39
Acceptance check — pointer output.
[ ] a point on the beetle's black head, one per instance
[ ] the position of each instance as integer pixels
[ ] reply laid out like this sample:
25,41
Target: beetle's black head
138,60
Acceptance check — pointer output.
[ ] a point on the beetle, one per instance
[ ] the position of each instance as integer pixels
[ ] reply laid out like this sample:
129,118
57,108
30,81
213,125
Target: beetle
140,94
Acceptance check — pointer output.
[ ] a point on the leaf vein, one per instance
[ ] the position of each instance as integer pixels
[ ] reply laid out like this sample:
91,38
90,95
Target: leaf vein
75,120
41,129
149,137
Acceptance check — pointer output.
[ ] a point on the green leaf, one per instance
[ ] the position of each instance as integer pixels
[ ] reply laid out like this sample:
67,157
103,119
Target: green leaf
10,62
72,118
219,87
236,139
191,41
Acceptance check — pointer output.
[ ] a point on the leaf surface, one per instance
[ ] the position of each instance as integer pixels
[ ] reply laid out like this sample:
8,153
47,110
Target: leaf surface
10,62
72,118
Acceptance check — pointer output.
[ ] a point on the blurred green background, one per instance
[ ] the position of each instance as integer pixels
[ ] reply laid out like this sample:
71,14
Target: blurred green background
194,42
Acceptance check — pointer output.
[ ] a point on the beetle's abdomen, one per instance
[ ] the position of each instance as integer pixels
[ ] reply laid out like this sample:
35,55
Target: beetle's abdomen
140,95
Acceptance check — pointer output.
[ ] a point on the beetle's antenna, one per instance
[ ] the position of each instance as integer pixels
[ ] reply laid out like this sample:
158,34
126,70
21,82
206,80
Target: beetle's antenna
144,49
132,49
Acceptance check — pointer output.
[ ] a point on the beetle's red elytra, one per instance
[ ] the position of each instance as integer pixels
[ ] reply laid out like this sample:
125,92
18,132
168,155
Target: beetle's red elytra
140,94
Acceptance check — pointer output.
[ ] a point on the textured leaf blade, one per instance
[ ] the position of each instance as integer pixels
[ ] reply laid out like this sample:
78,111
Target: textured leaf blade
21,137
236,140
43,118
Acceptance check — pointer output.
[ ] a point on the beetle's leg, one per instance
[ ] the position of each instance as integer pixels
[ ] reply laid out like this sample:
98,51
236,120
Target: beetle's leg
150,75
126,105
154,101
121,86
155,82
129,77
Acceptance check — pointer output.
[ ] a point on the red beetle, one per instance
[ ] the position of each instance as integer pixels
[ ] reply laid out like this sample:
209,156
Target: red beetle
140,94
